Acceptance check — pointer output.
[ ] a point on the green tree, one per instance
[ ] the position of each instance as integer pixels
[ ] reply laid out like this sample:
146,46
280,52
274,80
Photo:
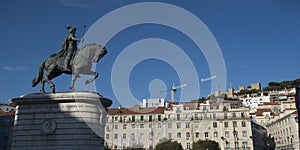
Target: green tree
199,100
169,145
206,145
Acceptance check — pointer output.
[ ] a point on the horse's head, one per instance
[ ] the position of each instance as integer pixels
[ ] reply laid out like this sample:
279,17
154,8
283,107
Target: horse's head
99,53
93,52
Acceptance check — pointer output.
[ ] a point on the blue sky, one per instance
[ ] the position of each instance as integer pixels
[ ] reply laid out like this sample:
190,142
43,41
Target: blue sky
259,40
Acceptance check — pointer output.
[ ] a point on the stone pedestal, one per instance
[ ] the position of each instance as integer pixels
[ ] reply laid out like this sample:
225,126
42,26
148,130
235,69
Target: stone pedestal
65,121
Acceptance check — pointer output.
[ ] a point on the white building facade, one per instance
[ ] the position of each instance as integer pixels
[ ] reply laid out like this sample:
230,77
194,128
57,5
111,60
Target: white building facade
253,102
285,132
185,123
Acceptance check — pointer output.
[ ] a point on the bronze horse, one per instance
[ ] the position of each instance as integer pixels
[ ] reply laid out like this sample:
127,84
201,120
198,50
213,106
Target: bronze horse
80,64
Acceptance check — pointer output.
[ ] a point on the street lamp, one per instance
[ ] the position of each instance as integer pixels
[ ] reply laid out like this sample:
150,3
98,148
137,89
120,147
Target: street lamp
235,139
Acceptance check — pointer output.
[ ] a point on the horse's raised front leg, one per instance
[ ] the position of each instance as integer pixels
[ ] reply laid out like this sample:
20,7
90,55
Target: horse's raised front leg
92,79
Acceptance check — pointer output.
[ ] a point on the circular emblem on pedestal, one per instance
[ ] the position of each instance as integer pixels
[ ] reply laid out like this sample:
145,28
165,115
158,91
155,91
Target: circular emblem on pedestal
48,126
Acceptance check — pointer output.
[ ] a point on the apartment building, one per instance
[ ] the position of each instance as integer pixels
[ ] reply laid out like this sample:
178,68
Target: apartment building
254,101
285,131
182,122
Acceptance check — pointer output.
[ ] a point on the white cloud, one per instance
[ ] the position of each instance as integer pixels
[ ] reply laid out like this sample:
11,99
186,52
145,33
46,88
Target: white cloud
18,68
76,3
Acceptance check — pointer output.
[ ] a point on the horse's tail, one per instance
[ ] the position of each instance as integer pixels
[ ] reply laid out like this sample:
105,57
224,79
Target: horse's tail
39,77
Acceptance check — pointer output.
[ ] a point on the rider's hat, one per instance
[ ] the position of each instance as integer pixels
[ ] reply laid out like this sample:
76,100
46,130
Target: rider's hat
70,28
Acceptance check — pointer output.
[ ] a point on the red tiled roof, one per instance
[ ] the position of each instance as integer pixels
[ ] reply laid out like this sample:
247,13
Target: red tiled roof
290,109
295,112
260,111
271,103
10,113
191,105
127,111
287,102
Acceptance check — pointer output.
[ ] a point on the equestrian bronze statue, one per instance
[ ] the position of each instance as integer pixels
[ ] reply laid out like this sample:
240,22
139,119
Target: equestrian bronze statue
70,60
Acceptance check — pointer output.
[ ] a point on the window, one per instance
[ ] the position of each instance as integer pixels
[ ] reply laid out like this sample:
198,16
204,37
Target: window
226,124
196,116
169,117
150,118
234,115
225,115
169,135
204,108
188,145
234,123
178,125
187,125
215,125
159,135
132,135
169,125
116,126
215,134
186,116
204,116
243,123
242,114
159,117
179,135
141,118
150,125
245,145
206,134
227,133
151,135
187,135
124,135
197,134
159,125
141,125
141,135
132,126
133,118
107,136
178,116
244,133
214,116
124,126
116,136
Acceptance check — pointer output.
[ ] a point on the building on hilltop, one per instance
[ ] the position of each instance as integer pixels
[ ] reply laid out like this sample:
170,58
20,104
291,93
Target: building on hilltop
182,122
254,102
283,95
241,92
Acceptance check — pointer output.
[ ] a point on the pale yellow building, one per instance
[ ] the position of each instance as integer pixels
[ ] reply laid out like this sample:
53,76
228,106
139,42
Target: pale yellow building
183,122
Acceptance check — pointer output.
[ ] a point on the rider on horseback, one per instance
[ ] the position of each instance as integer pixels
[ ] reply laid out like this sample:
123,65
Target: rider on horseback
69,48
